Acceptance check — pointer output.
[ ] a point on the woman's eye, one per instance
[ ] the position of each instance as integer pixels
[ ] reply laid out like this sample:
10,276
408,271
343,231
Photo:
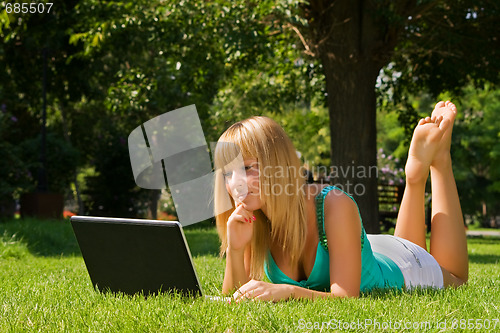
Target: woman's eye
246,168
251,167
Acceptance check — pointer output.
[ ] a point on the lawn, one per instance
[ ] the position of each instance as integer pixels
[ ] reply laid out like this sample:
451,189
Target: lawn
44,286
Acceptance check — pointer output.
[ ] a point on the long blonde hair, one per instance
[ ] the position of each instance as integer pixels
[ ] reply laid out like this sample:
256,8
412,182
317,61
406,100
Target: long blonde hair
281,188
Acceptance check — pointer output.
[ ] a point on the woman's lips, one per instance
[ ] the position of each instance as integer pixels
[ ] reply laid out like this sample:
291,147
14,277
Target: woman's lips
241,196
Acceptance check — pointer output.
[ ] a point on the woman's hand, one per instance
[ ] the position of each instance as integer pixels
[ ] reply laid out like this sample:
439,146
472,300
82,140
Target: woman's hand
264,291
240,228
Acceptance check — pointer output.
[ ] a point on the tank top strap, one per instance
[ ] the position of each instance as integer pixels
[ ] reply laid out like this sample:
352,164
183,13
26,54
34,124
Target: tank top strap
320,216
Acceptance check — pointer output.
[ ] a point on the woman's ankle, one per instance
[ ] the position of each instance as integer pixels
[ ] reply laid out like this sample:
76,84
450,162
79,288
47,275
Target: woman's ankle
442,162
416,173
415,183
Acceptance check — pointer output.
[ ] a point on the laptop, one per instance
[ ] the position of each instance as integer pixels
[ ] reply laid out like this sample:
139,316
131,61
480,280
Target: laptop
137,256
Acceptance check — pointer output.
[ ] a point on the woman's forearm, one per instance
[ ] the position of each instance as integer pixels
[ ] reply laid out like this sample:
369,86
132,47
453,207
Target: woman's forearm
266,291
299,292
235,274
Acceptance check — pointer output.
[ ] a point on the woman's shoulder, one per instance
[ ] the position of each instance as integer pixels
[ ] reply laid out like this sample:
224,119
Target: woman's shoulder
335,196
336,203
339,212
338,207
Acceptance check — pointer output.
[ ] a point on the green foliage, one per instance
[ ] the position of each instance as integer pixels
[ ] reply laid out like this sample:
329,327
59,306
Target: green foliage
22,61
475,146
390,171
282,78
153,57
158,56
392,137
476,151
21,151
30,45
166,206
112,65
447,46
195,51
61,160
309,131
115,65
15,176
111,190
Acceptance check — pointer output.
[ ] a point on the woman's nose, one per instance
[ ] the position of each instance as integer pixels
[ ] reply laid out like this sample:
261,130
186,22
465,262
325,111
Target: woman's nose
238,181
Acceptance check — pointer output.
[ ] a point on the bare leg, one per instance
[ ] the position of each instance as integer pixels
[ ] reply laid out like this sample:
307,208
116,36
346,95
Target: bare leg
424,146
448,240
430,150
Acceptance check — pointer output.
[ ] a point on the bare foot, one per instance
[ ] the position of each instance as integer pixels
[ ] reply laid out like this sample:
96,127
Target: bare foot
448,111
425,145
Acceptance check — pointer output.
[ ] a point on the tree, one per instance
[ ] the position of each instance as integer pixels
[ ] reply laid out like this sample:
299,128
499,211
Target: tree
476,154
26,39
116,64
431,45
120,63
156,56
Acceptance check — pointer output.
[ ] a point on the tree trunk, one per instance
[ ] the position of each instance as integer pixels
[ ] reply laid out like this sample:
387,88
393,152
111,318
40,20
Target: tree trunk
354,40
351,103
154,197
81,207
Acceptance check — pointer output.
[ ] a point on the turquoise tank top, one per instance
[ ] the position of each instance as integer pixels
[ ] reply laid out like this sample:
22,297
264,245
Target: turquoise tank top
377,270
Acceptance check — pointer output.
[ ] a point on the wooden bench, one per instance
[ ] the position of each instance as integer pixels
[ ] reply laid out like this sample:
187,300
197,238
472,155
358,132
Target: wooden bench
389,200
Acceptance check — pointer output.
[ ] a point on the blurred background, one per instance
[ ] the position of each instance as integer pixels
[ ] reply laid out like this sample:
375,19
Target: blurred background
347,80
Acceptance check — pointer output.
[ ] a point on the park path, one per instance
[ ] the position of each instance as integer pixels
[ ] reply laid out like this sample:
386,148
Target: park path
486,233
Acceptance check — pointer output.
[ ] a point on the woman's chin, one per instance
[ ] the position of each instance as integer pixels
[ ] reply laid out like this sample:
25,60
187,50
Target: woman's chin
252,204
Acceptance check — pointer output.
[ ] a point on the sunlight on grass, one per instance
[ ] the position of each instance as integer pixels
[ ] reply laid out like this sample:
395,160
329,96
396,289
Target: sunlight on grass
44,286
12,247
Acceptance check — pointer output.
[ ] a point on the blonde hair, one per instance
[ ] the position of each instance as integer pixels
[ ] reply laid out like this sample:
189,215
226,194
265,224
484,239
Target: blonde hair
263,139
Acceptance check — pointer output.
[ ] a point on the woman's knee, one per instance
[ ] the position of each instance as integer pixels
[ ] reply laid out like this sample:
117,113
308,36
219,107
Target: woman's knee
451,280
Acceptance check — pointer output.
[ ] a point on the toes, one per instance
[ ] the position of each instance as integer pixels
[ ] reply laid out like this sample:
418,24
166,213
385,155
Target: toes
451,106
444,124
439,104
425,120
438,119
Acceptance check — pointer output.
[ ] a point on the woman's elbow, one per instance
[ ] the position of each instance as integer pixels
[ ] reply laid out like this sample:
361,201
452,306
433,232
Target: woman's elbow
338,291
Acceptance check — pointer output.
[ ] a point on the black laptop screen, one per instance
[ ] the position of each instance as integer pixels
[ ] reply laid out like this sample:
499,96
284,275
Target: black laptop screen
132,256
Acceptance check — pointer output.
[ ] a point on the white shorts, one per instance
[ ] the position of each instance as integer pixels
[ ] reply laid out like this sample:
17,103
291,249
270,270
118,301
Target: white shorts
418,266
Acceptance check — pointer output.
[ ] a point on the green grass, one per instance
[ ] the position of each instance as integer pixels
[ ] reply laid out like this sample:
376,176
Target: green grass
44,286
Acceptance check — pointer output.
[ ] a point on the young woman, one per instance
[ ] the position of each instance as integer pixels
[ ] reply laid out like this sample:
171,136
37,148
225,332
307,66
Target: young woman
309,240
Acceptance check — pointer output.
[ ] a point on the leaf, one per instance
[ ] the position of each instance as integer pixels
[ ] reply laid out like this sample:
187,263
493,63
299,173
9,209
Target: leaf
323,132
75,38
4,20
97,39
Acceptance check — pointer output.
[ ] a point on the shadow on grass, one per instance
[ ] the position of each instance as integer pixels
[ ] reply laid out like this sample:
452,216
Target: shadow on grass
484,258
203,241
47,238
55,238
483,240
491,243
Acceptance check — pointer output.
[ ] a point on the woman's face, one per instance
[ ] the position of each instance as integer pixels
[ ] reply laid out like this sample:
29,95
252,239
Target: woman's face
242,183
